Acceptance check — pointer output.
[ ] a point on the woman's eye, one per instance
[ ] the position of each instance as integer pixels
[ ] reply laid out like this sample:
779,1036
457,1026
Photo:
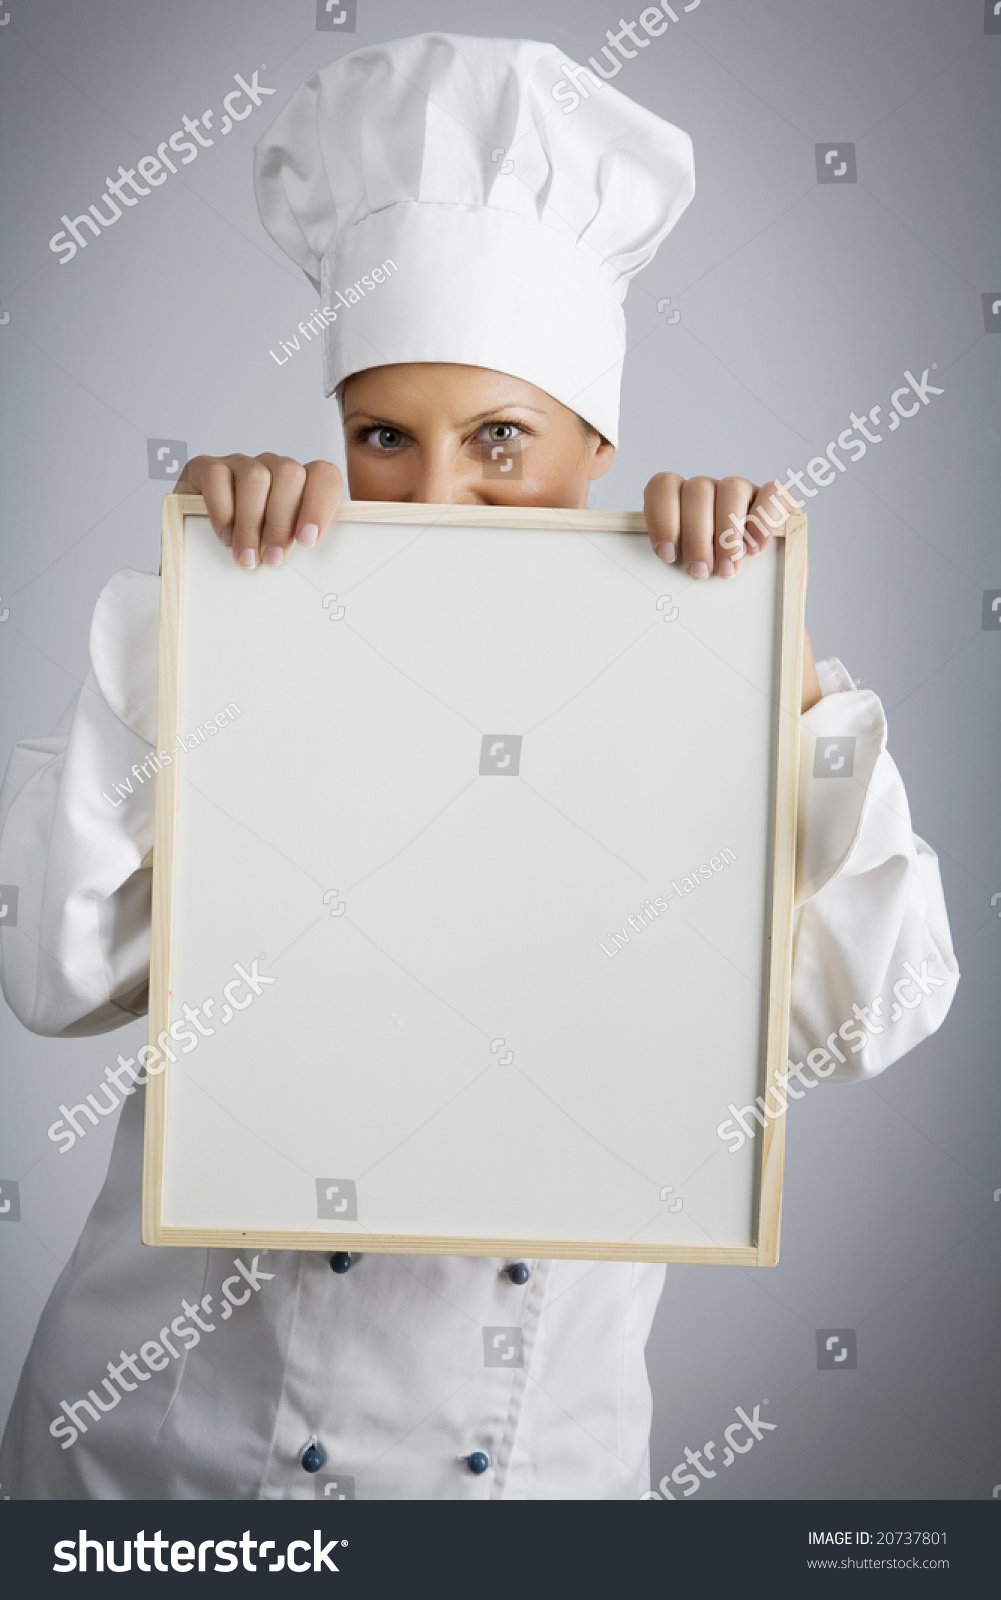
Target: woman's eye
501,432
384,438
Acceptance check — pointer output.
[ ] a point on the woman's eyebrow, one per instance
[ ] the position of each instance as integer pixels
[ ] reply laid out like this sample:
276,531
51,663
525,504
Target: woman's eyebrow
467,422
512,405
377,422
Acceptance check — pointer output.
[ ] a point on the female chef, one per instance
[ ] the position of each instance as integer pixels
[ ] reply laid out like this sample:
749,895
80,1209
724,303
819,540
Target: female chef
470,240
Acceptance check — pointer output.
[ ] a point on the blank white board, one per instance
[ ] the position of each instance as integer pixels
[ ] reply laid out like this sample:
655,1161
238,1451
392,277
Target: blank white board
423,775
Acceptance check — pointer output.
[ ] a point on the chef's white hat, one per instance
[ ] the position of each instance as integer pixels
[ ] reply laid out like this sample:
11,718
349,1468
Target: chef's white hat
512,229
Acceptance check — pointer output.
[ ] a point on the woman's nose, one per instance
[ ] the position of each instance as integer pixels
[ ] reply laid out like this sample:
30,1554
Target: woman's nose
443,482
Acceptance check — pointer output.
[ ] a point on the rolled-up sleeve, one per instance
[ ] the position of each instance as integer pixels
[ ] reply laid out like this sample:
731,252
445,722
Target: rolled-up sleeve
873,966
75,841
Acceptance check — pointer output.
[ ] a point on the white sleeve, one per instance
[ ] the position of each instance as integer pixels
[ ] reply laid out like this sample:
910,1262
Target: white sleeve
74,840
873,967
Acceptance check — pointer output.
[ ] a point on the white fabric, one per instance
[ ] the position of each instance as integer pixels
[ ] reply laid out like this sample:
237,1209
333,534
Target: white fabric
384,1365
513,230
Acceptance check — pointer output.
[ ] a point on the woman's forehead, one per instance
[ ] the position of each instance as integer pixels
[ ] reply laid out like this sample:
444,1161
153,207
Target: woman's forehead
464,393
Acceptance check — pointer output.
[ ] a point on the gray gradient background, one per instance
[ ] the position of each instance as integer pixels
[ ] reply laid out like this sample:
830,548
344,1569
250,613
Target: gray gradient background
799,303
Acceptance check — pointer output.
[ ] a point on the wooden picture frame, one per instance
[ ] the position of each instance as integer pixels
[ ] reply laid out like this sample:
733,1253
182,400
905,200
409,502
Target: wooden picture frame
205,819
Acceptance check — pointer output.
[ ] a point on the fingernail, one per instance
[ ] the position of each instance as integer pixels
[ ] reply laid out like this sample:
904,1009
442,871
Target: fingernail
226,535
246,558
726,568
308,533
667,552
272,555
698,569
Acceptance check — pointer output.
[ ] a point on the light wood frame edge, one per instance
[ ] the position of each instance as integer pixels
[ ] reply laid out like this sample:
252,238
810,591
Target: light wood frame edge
161,934
764,1251
434,1245
192,505
783,883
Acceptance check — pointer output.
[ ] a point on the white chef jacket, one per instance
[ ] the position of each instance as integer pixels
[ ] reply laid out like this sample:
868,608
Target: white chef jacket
383,1364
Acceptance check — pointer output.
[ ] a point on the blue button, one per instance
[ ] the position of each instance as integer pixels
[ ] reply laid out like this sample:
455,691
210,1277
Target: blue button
519,1273
340,1261
313,1458
478,1462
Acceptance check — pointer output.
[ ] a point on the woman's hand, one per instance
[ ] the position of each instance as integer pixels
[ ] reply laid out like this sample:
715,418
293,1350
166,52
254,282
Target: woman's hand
709,526
259,504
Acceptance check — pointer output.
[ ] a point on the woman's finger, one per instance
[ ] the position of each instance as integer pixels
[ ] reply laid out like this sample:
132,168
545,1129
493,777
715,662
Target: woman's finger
288,479
698,525
252,485
320,500
733,497
773,504
662,509
212,478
